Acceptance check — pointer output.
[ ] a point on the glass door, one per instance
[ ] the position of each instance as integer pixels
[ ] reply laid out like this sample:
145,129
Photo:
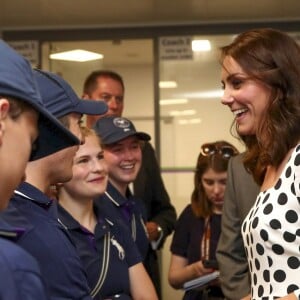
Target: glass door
132,59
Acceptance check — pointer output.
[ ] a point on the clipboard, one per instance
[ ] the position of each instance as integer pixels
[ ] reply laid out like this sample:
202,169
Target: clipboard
200,281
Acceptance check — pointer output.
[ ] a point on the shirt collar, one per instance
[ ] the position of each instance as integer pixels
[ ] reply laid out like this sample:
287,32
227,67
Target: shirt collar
30,192
115,196
67,220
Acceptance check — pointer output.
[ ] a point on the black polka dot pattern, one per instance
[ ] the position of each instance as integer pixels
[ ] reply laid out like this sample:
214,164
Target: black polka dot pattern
288,172
271,234
282,199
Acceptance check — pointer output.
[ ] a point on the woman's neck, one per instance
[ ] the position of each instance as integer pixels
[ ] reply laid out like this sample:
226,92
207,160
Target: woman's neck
80,209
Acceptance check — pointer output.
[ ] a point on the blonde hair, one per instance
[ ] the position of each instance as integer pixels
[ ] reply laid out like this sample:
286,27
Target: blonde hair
85,131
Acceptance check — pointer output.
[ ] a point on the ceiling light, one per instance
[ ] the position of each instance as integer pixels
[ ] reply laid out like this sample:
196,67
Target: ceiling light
76,55
203,95
201,45
173,101
167,84
195,121
183,122
191,121
187,112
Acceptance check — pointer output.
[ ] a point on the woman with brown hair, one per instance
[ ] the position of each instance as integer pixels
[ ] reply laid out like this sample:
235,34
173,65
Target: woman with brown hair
198,228
261,81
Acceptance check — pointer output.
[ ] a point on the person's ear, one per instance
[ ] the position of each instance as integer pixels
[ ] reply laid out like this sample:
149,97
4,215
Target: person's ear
4,111
85,96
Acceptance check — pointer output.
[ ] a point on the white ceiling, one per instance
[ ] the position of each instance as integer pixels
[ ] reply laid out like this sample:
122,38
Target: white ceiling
21,14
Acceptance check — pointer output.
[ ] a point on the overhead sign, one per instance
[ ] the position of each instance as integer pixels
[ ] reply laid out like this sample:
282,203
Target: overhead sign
29,49
175,48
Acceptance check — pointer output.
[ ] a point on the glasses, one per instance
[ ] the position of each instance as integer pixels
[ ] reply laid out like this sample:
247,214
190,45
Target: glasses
213,148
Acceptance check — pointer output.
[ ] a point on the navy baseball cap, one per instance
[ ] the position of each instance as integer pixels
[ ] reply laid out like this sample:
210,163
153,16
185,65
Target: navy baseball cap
60,99
112,129
17,81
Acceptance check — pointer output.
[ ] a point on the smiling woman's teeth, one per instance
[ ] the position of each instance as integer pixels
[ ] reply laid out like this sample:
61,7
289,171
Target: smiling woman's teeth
127,167
239,111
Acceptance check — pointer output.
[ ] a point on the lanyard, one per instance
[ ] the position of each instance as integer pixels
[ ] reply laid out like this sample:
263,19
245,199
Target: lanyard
205,242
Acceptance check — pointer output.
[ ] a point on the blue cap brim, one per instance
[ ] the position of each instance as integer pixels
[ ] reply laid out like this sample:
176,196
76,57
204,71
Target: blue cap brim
60,98
53,136
17,81
90,107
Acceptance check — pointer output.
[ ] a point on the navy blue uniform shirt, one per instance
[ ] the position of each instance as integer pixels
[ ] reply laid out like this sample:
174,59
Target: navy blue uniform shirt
48,242
186,243
107,254
19,272
128,212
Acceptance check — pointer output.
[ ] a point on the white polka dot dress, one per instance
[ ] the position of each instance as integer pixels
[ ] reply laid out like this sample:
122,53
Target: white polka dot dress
271,234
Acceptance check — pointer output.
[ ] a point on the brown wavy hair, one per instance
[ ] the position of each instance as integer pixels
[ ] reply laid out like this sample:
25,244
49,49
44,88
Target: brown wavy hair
273,58
201,206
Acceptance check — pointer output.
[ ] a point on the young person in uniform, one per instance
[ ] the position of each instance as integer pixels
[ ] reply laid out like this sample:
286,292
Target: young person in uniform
25,128
45,238
113,264
123,154
148,186
198,227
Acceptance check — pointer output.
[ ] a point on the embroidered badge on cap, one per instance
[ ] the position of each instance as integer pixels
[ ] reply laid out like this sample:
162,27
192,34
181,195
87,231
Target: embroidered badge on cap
112,129
121,123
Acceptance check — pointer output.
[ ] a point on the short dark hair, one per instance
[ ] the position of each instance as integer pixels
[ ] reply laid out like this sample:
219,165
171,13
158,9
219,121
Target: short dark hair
90,82
17,106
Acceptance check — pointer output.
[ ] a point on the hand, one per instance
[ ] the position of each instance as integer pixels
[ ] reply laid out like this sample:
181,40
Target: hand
153,232
200,270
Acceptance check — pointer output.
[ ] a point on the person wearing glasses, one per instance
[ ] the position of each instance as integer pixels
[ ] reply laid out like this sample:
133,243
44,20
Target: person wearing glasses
198,227
260,77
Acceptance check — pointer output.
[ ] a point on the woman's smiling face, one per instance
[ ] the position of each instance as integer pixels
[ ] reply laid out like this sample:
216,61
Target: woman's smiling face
89,171
247,98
